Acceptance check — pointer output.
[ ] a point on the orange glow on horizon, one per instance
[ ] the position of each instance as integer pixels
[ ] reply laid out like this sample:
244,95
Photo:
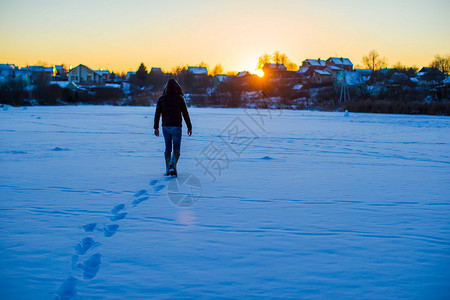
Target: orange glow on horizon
216,37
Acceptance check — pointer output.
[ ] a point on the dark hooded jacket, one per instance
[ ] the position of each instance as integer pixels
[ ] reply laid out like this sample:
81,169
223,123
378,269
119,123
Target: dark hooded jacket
172,106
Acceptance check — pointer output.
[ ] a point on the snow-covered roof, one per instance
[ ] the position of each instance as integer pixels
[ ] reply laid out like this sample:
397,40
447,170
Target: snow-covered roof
242,74
62,84
275,66
341,61
322,72
102,72
81,65
38,69
364,72
428,82
297,87
198,70
113,85
303,70
430,69
221,77
351,78
334,68
315,62
386,70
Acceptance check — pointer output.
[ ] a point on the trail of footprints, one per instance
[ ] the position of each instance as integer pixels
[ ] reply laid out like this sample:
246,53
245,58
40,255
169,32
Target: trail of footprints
89,264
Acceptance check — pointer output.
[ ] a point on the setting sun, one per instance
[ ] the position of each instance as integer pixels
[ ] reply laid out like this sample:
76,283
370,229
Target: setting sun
259,72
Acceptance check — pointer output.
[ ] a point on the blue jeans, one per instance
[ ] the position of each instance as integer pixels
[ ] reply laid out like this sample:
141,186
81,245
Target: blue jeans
172,135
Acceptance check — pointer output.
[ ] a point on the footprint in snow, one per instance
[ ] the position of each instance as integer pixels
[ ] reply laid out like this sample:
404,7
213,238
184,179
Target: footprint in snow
158,188
67,289
89,227
91,266
110,230
119,216
140,193
137,201
84,245
118,208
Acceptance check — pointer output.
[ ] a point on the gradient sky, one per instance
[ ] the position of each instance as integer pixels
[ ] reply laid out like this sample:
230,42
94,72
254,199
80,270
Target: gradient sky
119,35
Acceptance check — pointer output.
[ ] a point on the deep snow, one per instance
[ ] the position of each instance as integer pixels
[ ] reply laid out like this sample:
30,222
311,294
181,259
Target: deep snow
291,204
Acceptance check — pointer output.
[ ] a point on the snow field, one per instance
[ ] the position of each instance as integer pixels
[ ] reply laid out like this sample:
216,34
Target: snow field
294,204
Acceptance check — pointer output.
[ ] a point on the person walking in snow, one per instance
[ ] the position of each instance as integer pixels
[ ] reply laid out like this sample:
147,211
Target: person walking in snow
171,105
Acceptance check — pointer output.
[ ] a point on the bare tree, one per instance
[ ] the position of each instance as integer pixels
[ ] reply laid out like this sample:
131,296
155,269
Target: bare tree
203,64
374,62
276,58
217,70
290,66
410,71
279,58
183,76
442,63
263,59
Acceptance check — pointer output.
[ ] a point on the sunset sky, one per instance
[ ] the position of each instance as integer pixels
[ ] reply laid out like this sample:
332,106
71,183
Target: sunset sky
119,35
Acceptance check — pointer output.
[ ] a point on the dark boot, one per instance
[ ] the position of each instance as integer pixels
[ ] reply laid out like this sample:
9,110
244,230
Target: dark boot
173,163
167,156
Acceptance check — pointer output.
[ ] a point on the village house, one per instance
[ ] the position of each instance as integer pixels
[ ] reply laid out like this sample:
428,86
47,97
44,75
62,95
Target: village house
365,73
349,78
333,70
242,79
66,85
305,72
273,71
321,76
198,72
7,71
329,68
341,62
429,77
84,75
314,64
60,73
200,81
219,79
32,73
105,74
